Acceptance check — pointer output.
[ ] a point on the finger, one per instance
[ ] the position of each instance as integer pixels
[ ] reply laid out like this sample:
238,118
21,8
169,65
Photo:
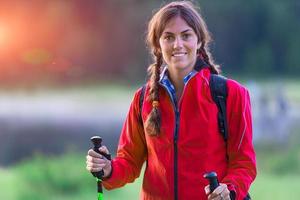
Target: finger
213,195
98,169
103,149
216,198
88,168
91,169
94,160
225,193
91,165
206,189
92,153
222,196
212,198
220,189
224,189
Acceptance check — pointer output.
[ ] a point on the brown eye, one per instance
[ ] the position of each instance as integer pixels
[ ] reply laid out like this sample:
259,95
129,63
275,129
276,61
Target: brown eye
186,36
168,38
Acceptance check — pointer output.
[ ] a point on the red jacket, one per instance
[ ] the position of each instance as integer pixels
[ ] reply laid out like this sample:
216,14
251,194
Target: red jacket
177,159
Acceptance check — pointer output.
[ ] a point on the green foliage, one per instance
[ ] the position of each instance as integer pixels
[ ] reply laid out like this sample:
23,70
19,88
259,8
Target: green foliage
55,178
259,57
257,39
65,178
280,159
49,175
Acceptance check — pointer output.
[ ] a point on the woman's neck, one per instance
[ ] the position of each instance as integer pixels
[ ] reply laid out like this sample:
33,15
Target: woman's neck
177,80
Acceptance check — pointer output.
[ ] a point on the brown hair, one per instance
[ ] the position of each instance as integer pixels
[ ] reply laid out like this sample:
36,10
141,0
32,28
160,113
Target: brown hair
188,12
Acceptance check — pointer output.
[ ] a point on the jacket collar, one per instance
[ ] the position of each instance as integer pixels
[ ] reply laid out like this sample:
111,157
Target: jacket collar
199,65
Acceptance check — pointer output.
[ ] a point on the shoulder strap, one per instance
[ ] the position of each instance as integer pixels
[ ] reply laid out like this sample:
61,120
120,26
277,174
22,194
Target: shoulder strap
218,89
141,100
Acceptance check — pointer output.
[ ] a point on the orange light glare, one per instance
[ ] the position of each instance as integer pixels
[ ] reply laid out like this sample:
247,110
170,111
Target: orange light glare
36,56
3,36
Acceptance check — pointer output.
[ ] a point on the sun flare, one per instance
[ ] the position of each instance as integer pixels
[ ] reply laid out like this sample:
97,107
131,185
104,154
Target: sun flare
3,35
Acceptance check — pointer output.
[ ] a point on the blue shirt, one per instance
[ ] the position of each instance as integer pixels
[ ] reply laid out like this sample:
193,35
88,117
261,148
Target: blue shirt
166,82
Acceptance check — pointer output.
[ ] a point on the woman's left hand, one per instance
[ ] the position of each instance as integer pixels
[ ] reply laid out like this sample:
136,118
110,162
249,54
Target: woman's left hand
220,193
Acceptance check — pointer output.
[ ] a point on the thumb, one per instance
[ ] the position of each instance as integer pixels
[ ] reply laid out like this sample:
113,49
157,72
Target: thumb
103,149
207,190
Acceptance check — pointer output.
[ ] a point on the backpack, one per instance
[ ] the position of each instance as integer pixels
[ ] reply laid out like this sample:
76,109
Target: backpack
219,93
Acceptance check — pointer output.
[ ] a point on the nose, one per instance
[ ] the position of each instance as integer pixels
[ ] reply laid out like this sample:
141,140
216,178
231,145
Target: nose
178,43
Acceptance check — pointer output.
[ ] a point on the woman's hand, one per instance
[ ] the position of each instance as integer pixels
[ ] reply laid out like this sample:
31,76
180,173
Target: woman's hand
95,162
220,193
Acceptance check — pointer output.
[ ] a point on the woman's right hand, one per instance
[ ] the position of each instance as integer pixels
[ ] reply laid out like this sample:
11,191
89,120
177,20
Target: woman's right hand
220,193
95,162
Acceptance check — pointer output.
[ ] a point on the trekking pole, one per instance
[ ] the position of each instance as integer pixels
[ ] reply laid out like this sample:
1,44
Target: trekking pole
96,140
213,180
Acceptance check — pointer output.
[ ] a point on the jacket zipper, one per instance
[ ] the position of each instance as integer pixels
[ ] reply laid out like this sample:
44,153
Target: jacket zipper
177,117
176,111
176,154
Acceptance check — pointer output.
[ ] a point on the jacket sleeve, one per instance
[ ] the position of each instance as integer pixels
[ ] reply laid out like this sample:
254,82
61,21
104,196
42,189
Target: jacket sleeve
241,156
132,149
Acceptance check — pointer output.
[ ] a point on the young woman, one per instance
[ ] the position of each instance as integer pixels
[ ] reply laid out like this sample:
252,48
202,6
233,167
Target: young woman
175,131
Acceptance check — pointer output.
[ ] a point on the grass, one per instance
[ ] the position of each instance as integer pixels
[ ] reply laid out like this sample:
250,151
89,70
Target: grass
64,178
56,178
269,186
266,186
7,184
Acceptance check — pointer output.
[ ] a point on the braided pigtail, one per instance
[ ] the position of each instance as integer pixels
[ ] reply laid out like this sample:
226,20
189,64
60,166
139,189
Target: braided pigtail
153,121
205,53
189,13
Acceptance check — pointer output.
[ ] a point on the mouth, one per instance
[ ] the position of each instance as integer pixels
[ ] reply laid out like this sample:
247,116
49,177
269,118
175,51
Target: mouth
179,54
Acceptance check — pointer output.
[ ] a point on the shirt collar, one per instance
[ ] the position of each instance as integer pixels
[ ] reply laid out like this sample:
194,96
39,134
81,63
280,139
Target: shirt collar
200,64
164,76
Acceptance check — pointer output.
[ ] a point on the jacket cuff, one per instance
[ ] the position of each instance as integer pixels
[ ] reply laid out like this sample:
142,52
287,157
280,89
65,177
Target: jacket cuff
232,191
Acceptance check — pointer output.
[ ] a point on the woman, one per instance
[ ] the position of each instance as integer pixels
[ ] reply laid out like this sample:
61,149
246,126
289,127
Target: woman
178,133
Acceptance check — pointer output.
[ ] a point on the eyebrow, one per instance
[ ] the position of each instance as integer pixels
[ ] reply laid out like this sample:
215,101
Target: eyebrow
187,30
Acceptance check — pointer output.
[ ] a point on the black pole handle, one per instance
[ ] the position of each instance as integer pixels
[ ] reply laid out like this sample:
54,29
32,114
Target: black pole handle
97,142
213,180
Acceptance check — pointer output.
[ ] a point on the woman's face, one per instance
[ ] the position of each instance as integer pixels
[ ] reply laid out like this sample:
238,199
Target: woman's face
179,44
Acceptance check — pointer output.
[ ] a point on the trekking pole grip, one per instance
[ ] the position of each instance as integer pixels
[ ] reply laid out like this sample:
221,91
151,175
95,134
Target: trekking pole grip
97,142
213,180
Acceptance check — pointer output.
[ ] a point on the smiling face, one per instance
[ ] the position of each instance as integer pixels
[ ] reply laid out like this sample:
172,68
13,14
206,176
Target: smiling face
179,44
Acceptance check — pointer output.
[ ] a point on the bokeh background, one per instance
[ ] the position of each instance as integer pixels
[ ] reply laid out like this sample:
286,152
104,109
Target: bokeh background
68,71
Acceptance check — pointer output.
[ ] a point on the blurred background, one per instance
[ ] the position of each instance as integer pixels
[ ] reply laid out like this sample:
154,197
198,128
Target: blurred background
69,69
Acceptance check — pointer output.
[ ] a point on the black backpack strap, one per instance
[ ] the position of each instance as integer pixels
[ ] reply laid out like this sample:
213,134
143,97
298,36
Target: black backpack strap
219,92
141,100
218,89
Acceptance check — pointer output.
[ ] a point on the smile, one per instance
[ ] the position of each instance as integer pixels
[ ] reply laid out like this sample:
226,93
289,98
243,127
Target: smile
179,54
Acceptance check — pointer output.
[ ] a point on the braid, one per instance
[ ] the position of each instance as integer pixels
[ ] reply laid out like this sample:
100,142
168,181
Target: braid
153,121
215,69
